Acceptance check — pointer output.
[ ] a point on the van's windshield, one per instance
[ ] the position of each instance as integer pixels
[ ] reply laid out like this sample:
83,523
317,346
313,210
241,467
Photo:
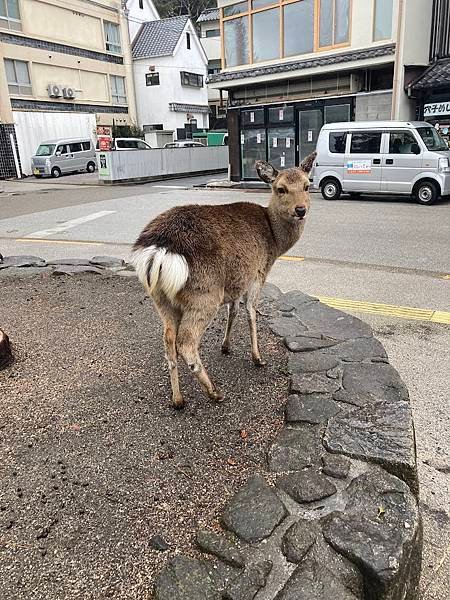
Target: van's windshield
45,150
432,139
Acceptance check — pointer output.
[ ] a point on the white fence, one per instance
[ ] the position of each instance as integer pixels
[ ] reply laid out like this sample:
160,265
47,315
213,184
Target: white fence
145,165
32,128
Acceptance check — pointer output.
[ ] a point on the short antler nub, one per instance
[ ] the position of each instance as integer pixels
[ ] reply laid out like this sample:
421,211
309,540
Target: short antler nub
307,164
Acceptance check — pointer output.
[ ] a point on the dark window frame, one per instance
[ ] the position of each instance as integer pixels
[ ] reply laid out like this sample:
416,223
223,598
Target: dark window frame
152,79
191,79
188,40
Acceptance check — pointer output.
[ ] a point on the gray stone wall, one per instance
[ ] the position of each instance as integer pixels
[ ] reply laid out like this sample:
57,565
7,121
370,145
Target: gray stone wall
373,107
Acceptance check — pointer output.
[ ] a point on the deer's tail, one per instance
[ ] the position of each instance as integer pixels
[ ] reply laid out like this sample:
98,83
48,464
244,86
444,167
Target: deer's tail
159,269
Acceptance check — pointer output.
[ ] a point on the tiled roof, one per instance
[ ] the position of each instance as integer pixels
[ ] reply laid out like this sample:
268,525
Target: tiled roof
159,38
436,76
320,61
210,14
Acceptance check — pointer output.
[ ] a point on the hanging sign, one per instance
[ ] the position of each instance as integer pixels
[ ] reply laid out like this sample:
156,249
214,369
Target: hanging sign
436,109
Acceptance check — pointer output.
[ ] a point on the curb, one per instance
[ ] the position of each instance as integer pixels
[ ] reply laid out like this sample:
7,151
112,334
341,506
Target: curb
335,514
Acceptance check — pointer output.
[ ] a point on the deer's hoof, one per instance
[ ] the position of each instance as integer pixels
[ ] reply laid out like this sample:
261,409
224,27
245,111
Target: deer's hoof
178,403
259,363
216,396
226,350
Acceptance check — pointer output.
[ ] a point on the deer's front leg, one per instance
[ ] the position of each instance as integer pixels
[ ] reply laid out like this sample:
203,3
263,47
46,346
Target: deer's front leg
251,303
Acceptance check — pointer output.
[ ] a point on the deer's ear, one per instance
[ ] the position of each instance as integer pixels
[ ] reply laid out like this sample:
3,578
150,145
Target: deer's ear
307,164
265,171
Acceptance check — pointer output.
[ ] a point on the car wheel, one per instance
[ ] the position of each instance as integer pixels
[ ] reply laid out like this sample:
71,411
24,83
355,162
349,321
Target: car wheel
56,172
426,192
331,189
90,167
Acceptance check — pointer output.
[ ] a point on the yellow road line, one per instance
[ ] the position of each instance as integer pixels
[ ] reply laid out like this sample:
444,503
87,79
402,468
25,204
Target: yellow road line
390,310
45,241
292,258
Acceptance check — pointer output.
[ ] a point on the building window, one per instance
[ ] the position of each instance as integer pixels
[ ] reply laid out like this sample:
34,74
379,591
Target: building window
112,37
10,14
210,33
191,79
188,40
266,35
18,77
282,28
151,79
299,28
334,23
118,93
382,29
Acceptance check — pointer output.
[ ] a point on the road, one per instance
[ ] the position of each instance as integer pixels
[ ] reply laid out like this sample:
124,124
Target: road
386,260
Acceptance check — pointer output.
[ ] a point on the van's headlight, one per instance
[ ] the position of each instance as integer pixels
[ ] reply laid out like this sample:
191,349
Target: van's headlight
444,165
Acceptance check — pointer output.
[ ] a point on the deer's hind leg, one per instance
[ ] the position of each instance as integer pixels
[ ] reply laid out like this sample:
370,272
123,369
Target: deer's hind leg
252,300
171,317
233,309
192,327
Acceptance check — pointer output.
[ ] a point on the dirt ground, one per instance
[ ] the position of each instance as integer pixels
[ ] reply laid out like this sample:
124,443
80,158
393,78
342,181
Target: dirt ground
93,459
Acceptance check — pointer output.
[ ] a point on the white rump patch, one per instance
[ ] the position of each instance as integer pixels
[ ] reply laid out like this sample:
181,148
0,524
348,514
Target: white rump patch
159,269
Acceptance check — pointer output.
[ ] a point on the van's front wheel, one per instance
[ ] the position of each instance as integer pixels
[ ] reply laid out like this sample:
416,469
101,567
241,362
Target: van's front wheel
426,192
331,189
56,172
90,167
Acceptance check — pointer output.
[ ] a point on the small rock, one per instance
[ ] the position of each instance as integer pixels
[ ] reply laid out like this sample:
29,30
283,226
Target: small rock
254,511
336,466
313,383
159,543
5,350
298,539
22,261
108,262
247,585
212,543
314,409
306,486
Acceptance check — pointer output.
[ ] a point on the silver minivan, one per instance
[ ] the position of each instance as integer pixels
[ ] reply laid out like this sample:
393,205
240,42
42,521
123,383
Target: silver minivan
390,157
56,157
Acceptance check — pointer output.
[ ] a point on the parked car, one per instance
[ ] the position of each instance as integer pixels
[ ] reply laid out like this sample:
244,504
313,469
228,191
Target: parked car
129,144
184,144
56,157
391,157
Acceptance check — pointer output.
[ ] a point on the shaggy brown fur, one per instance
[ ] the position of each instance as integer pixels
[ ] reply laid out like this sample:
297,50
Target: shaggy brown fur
229,250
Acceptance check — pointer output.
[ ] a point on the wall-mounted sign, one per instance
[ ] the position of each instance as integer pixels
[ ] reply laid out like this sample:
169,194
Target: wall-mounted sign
359,167
436,109
103,166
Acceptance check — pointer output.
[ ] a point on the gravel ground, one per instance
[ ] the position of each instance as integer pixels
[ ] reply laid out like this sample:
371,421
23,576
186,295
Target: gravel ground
93,459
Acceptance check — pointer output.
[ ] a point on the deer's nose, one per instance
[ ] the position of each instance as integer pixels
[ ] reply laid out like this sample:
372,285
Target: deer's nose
300,211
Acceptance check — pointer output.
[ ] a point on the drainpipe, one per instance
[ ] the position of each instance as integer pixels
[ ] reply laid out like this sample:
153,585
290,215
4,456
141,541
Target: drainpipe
398,67
128,61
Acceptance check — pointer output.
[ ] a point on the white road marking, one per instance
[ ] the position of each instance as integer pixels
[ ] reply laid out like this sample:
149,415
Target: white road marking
171,187
69,224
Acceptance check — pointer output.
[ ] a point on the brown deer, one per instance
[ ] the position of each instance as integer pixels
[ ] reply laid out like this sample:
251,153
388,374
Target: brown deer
193,259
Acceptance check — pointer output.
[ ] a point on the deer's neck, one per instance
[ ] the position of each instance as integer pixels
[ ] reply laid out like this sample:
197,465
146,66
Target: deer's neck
285,232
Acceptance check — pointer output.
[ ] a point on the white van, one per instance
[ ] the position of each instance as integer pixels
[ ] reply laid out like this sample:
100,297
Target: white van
391,157
56,157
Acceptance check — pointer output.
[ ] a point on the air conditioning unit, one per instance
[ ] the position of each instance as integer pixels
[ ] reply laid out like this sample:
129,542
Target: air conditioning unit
68,93
54,90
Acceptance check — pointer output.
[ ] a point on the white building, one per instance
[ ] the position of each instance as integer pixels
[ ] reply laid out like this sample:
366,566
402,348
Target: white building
170,69
208,25
140,12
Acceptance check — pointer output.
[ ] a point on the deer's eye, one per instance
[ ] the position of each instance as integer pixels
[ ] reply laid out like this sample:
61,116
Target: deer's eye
282,190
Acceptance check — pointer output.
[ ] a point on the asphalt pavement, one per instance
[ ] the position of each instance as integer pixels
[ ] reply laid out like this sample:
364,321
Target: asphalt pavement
387,260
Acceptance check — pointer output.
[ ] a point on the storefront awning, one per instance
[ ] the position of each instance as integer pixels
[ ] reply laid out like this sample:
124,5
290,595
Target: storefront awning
436,77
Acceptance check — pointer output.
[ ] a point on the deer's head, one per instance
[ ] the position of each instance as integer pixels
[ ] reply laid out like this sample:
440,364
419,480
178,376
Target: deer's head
290,188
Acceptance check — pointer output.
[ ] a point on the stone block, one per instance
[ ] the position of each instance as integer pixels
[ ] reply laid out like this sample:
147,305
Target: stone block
306,486
295,449
215,544
314,409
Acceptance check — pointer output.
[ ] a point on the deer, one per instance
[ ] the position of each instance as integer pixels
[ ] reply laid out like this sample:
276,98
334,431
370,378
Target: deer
194,259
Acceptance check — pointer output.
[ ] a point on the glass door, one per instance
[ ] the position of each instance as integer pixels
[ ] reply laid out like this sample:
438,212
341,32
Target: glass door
310,122
282,147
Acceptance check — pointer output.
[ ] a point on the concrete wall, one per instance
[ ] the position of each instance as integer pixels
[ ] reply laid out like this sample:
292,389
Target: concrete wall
373,107
153,101
159,163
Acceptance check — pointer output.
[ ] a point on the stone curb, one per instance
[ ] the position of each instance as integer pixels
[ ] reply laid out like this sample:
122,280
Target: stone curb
341,520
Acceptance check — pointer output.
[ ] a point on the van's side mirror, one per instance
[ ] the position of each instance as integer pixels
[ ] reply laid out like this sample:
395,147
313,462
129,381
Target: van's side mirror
415,149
